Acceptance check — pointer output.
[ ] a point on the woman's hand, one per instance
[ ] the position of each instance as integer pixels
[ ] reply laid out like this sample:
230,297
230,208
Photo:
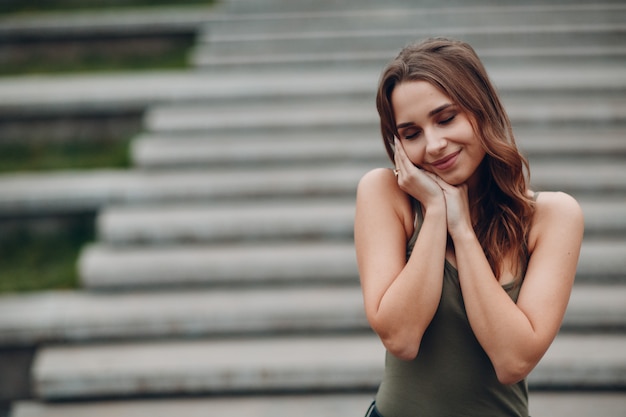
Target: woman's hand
457,206
429,188
415,181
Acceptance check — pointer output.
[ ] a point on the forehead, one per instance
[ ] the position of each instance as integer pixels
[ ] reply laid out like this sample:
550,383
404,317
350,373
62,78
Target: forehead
416,96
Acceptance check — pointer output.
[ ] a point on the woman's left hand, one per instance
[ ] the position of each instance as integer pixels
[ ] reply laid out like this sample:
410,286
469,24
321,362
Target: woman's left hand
457,206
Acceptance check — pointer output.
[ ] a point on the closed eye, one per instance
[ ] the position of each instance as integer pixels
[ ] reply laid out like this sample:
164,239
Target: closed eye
411,133
447,119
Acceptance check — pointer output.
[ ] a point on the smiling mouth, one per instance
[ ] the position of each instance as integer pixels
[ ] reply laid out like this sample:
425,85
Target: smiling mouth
445,162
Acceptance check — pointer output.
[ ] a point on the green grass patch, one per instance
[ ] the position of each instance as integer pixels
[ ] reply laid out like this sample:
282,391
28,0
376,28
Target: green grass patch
97,56
50,156
23,6
43,260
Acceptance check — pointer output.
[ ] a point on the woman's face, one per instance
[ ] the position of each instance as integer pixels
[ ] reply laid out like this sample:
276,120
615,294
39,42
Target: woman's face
436,134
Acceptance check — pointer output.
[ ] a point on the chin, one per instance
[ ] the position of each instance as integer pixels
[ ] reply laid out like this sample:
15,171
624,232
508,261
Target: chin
453,179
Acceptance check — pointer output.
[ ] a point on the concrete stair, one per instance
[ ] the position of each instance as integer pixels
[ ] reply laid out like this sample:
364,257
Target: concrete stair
531,108
84,316
544,403
282,220
492,39
195,150
286,263
224,277
535,33
67,191
281,364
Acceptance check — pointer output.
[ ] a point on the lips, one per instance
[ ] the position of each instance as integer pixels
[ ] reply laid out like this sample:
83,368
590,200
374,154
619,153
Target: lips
445,162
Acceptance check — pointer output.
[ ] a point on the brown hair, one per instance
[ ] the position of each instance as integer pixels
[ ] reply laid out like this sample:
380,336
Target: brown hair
502,210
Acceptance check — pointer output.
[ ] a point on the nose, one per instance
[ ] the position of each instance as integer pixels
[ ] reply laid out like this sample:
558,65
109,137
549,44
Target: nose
435,143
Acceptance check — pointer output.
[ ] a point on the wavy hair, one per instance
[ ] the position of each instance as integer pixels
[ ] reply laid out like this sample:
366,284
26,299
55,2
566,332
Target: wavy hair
502,211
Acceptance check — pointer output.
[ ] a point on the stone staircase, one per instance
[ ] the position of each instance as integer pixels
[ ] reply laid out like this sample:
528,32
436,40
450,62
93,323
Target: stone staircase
224,279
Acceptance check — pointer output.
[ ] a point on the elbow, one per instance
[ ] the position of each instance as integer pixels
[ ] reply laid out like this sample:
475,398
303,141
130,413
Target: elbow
402,345
404,352
400,340
515,364
514,371
510,378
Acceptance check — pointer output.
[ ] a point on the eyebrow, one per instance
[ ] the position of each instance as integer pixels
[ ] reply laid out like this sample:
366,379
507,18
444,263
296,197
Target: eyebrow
431,113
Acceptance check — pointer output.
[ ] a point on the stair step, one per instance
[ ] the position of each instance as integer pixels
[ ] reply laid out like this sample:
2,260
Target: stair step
537,56
232,265
557,175
214,366
288,8
279,364
311,405
319,219
553,404
318,146
596,307
70,191
370,37
83,316
393,38
602,260
183,151
133,92
89,190
400,16
604,217
282,263
211,120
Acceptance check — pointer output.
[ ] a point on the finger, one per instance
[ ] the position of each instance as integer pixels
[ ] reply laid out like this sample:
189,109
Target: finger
435,178
401,158
397,150
396,157
440,182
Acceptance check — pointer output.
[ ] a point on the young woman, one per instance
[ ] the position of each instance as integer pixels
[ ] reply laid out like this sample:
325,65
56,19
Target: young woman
466,273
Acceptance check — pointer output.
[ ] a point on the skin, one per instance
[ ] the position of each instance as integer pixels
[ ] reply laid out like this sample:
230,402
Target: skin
437,156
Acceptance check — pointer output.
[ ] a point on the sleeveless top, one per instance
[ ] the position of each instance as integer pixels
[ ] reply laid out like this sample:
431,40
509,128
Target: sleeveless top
452,375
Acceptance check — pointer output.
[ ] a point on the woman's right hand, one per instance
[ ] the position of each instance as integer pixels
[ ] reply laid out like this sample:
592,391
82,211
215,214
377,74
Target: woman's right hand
415,181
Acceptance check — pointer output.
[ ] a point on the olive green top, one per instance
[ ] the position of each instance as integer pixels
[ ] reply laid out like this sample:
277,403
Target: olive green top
452,375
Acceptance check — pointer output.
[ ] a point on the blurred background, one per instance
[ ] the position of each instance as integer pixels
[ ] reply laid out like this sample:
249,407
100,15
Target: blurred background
177,185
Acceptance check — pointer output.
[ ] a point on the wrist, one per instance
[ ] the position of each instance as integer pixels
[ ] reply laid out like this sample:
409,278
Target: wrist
462,234
435,204
435,209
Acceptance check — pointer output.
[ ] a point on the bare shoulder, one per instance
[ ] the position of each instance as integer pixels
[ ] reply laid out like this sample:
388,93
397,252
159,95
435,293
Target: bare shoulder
378,192
381,184
377,178
558,204
557,212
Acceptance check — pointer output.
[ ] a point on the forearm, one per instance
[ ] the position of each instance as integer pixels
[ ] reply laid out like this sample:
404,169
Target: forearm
409,303
501,327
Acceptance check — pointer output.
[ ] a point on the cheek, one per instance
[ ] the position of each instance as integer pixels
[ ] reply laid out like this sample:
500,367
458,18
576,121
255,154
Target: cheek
468,132
414,151
414,148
